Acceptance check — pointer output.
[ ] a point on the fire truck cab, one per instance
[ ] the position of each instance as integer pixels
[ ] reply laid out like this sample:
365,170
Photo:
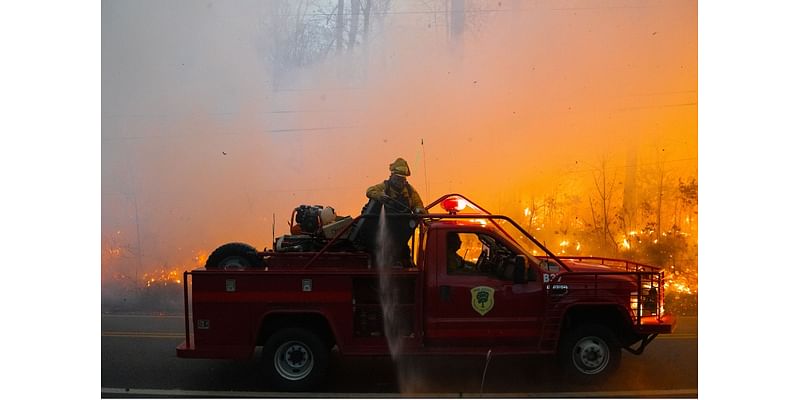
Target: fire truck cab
478,282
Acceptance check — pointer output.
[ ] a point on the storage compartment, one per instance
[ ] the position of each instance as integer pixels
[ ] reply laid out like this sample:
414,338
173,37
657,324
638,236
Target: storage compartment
368,311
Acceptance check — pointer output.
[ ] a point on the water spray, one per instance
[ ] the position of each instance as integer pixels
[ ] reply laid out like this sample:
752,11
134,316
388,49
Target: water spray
485,368
388,292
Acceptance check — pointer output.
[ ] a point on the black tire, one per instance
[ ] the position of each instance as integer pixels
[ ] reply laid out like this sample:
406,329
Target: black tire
295,359
234,256
589,354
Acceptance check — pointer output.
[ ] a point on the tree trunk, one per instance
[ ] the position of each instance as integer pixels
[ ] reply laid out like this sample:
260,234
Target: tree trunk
457,18
355,10
367,10
658,208
339,26
629,191
605,192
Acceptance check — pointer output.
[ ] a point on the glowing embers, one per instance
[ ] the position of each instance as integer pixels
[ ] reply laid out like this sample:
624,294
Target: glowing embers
166,276
674,282
163,277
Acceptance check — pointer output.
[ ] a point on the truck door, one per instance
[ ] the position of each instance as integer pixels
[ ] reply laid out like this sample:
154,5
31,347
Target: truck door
471,297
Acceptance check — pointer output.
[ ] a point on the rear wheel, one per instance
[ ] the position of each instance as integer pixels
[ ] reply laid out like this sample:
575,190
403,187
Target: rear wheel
234,256
295,359
589,353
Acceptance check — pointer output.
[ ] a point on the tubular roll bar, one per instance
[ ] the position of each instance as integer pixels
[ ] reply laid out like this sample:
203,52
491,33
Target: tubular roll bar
347,229
486,215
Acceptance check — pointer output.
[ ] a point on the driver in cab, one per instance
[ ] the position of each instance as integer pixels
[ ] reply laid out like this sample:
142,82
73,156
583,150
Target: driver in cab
456,263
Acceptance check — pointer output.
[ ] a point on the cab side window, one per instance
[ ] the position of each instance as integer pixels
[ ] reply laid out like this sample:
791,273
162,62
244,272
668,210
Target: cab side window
500,260
478,254
462,250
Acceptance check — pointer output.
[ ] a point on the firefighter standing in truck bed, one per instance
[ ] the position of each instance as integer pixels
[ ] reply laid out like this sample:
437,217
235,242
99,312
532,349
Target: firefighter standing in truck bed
397,196
396,190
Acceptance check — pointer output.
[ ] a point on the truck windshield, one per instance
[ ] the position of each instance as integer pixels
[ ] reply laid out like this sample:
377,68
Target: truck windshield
518,237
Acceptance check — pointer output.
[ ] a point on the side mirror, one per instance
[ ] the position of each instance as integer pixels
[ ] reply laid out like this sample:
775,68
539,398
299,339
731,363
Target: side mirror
520,262
547,266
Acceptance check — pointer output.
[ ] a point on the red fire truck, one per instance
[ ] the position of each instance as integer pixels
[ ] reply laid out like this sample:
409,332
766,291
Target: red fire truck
494,288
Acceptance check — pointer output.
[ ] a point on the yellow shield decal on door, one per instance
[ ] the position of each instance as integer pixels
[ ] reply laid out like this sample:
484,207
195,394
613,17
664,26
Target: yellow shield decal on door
482,299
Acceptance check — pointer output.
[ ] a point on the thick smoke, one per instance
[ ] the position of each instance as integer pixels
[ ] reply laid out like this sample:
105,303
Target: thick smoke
206,135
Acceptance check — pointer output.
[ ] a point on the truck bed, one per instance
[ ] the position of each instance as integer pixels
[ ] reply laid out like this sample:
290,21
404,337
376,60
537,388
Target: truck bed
233,306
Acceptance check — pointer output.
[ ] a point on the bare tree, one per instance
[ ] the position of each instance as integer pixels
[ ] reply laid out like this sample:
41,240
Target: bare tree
605,193
339,26
660,200
352,31
686,198
367,13
629,195
457,18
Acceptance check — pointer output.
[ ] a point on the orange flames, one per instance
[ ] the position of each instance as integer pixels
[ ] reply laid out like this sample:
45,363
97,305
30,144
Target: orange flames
677,283
163,277
166,275
116,270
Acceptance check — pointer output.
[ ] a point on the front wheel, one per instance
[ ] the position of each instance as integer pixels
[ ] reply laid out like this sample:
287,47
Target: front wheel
295,359
589,353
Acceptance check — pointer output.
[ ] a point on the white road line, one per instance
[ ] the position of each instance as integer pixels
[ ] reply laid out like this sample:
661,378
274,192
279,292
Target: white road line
169,335
175,335
208,393
141,316
673,336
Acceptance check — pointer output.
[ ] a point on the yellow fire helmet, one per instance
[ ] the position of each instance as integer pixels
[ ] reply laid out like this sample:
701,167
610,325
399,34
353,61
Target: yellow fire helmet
400,167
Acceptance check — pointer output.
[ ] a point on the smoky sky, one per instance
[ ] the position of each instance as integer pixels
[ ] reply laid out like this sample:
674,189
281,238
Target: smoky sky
206,135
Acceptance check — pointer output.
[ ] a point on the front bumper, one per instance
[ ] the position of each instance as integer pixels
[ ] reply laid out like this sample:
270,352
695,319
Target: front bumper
650,325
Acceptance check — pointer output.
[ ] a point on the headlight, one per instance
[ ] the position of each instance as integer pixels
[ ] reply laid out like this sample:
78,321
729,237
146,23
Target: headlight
651,302
635,304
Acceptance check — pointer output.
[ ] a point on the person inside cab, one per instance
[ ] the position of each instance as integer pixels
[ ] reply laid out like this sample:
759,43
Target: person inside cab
456,263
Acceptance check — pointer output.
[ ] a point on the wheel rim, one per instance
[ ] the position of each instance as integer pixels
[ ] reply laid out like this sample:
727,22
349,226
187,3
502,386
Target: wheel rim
294,360
590,355
234,263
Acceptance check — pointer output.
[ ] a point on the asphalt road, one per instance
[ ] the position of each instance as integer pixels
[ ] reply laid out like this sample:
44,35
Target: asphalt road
138,360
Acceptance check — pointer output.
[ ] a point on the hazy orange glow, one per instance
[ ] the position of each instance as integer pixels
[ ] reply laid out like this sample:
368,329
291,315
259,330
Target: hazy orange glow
530,106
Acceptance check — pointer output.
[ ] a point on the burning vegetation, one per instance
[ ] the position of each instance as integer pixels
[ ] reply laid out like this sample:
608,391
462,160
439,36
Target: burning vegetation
578,232
650,222
158,289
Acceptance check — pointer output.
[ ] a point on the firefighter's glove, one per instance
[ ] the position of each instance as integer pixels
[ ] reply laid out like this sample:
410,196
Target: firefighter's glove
385,199
419,211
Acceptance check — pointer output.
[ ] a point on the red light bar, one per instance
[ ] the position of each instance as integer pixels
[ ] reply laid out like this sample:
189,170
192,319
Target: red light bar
454,204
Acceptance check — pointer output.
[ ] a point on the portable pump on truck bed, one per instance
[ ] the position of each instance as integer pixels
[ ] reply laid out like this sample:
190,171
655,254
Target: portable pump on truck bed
501,290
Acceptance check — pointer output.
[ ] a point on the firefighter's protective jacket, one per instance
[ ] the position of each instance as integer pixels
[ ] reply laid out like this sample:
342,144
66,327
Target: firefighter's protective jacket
408,196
